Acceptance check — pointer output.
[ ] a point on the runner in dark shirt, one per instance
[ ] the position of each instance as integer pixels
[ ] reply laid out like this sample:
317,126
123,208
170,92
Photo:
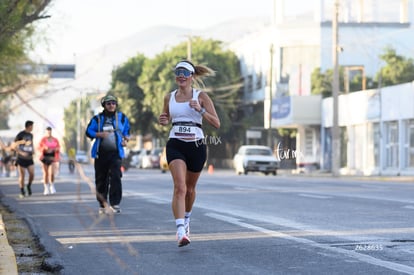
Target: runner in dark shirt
23,145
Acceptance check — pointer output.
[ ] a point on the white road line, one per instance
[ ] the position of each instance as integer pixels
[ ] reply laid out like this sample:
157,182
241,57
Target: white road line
314,196
224,209
148,197
409,206
350,253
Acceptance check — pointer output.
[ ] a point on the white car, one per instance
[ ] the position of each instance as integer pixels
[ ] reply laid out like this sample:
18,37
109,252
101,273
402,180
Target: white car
133,157
152,160
137,159
255,158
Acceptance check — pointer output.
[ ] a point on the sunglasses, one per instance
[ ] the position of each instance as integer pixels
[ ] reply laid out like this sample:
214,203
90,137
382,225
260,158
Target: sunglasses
184,72
110,103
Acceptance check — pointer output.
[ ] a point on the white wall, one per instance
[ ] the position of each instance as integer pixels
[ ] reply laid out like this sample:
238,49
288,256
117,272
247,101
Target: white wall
396,102
360,113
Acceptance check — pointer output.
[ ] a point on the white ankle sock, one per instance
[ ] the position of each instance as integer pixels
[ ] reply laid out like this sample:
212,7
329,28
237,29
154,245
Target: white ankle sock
179,222
180,227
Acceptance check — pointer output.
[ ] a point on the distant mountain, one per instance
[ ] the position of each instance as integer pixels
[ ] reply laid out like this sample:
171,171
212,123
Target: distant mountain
94,68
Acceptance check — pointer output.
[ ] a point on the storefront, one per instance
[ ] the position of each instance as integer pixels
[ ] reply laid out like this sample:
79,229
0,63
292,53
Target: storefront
377,131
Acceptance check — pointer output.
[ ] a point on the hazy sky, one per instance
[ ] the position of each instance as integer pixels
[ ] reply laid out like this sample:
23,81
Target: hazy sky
78,26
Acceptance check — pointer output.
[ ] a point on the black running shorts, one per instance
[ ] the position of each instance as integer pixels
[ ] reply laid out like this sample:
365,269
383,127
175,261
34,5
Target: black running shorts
24,162
193,153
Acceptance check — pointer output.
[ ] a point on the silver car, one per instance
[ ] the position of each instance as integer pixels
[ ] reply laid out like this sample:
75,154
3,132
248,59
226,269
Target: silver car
255,158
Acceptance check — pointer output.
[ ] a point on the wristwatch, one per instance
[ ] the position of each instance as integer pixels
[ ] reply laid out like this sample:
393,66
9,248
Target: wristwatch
202,111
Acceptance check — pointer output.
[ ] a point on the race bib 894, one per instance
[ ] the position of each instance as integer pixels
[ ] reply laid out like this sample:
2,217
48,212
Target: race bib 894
184,131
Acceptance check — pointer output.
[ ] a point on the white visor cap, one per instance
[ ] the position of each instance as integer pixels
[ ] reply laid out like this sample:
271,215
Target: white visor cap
184,65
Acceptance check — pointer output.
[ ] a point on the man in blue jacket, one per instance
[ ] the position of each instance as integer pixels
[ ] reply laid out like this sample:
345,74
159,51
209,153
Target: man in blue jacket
110,132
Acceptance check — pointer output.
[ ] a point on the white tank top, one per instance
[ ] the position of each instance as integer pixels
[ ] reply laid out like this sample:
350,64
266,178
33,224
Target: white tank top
186,122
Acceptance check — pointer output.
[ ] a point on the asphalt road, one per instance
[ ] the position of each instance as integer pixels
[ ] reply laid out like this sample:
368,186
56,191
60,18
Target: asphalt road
252,224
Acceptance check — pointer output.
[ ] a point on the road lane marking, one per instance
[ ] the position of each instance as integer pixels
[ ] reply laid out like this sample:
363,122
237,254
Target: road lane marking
148,197
350,253
146,236
314,196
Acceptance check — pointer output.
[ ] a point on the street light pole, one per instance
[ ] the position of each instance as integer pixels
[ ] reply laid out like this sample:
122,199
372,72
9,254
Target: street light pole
336,150
269,140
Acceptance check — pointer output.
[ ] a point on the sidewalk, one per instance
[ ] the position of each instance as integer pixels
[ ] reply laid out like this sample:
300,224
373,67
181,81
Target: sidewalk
20,252
8,265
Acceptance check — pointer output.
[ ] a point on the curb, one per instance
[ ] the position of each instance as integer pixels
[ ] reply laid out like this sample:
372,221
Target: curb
8,265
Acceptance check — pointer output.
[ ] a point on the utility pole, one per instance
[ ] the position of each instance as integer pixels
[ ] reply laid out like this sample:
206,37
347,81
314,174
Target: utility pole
269,137
381,155
336,145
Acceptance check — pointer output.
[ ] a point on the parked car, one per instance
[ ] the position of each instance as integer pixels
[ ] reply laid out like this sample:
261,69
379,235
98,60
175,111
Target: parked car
81,157
132,158
137,159
163,161
255,158
152,160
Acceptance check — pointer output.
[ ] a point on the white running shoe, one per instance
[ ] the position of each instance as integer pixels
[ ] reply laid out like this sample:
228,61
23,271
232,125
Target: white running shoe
101,211
182,238
187,228
116,209
52,189
46,191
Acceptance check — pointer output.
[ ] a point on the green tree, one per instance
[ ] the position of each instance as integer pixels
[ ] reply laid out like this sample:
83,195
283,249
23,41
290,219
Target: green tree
321,83
157,80
71,122
16,30
125,86
397,69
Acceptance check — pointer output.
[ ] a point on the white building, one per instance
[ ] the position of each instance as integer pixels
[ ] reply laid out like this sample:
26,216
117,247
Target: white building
277,62
377,127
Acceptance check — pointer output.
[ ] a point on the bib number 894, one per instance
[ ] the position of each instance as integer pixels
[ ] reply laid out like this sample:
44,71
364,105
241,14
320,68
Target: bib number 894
183,129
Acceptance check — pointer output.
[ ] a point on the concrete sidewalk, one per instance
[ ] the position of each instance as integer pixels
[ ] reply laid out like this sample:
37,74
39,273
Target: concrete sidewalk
8,265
